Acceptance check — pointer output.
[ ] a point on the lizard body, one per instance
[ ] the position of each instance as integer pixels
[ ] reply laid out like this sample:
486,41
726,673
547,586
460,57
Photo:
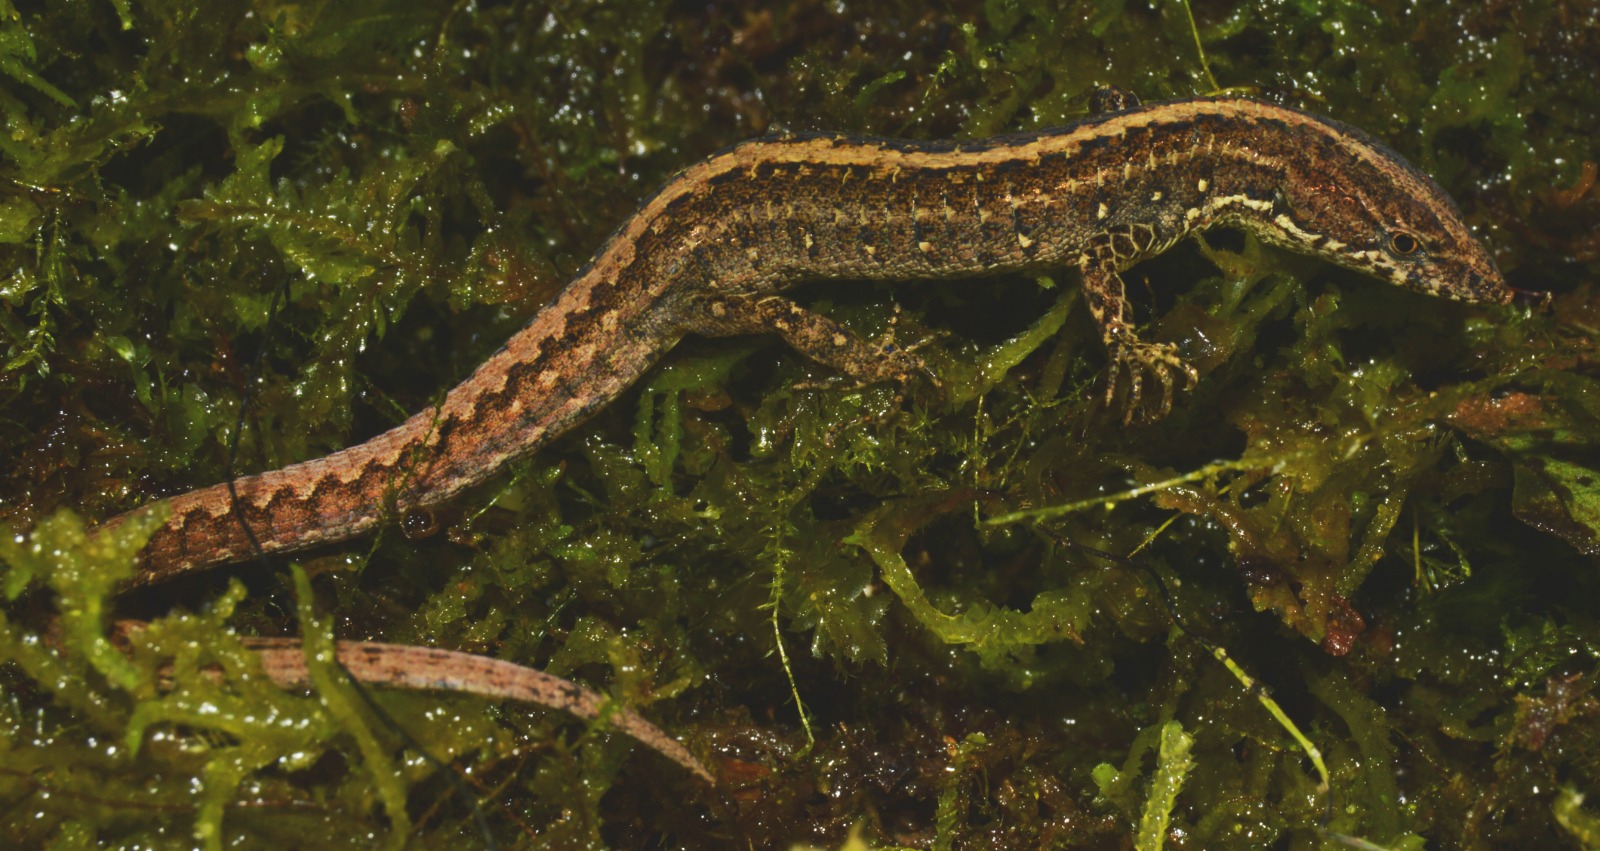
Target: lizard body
713,250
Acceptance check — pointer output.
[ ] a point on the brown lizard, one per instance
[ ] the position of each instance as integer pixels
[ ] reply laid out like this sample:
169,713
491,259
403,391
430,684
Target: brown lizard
712,251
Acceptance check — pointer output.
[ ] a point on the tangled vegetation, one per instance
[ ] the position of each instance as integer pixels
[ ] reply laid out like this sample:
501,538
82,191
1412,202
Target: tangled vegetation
873,618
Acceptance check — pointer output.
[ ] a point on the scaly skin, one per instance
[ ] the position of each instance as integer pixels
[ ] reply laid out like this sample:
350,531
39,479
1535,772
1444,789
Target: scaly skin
713,250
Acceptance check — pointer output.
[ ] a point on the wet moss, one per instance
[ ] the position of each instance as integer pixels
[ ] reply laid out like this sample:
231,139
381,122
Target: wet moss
1382,505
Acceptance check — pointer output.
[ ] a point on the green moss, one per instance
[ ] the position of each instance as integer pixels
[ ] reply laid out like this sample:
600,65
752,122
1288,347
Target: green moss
1382,505
1172,764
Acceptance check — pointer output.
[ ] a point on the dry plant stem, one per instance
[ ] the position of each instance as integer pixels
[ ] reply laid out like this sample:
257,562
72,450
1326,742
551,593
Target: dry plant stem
428,669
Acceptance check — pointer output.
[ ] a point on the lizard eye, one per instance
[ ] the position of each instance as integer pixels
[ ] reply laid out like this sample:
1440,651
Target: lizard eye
1403,244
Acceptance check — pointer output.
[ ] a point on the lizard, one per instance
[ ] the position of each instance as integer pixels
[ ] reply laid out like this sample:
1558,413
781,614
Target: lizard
712,251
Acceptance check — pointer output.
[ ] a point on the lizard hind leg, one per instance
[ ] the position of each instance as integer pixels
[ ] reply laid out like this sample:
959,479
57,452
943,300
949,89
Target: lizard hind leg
1106,99
862,362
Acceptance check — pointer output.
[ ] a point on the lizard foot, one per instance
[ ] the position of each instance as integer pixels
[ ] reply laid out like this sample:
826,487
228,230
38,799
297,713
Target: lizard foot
882,360
1140,359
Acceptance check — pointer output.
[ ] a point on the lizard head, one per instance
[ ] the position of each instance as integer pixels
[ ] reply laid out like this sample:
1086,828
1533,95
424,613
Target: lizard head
1367,209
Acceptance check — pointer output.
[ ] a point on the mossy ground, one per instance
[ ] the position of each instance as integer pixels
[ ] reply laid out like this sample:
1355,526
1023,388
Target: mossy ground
1393,524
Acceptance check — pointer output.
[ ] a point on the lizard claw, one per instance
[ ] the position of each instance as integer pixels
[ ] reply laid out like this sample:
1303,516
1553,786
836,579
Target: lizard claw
1139,359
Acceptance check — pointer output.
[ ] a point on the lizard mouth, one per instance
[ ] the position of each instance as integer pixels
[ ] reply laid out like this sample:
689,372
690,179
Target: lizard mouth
1491,289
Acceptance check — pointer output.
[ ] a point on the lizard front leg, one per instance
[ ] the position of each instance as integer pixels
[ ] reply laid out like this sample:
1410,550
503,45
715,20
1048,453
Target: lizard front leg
1103,289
